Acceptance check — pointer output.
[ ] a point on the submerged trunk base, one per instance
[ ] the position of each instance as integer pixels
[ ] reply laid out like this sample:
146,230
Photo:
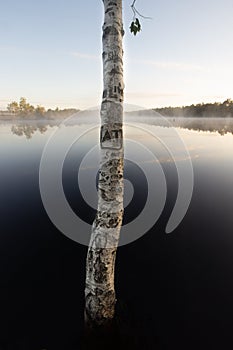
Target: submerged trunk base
129,329
100,308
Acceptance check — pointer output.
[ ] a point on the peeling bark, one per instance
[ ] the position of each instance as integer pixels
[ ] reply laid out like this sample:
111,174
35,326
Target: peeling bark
100,292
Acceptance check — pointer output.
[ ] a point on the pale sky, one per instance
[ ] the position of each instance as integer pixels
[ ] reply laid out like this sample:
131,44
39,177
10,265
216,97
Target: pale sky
51,52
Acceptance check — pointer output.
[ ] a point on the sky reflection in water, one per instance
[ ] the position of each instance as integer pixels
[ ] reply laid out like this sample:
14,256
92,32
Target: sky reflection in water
192,268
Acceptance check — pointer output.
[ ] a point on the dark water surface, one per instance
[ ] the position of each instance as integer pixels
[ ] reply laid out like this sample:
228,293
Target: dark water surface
176,290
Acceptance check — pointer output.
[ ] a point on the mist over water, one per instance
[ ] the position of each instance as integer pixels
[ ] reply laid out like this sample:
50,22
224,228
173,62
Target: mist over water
149,117
176,289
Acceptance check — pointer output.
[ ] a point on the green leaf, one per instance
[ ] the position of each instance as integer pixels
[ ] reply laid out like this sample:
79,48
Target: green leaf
135,26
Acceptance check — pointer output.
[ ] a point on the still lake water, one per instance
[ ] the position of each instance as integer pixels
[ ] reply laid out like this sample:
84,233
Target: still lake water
177,289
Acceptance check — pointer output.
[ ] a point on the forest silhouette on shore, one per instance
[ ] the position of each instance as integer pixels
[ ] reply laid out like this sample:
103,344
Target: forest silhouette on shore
201,110
25,110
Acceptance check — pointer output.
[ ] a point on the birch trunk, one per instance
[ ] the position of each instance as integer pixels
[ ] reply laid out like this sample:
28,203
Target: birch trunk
100,296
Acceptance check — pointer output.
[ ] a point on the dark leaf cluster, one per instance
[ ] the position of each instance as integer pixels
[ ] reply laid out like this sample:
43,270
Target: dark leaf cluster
135,26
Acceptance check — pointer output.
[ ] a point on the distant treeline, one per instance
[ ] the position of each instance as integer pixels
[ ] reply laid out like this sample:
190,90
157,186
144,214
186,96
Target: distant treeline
23,109
207,110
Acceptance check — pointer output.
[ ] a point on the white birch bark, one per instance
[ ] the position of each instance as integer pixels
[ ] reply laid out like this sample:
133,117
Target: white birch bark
100,292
